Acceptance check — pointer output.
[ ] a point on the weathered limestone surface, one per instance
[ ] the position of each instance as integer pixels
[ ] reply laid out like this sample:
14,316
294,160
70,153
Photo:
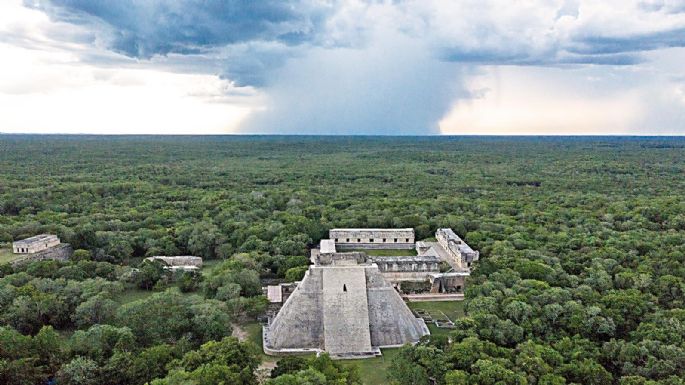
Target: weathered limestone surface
274,293
299,323
345,310
453,282
178,261
421,263
61,252
391,322
340,259
277,295
444,255
35,244
346,239
327,246
454,245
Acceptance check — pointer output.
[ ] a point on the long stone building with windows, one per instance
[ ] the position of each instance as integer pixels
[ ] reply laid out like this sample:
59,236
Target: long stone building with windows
35,244
41,247
348,239
179,262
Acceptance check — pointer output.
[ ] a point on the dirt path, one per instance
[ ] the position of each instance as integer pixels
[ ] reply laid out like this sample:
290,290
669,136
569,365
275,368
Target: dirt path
263,372
239,333
264,369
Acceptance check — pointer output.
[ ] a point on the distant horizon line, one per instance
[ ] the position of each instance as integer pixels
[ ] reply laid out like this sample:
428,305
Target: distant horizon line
353,135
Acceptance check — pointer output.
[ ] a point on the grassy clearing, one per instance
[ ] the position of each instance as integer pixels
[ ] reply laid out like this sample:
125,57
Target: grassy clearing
373,371
389,252
254,330
6,255
436,331
452,309
132,294
209,265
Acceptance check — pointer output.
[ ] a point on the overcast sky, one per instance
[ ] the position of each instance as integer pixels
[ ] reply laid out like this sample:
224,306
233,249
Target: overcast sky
348,67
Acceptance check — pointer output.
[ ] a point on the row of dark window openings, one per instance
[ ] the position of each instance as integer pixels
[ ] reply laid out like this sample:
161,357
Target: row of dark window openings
370,240
345,288
26,250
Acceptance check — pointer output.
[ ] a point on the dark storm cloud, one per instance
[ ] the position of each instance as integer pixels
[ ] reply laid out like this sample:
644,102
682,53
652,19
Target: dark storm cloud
363,67
143,29
550,58
614,59
459,54
600,45
246,39
239,39
594,49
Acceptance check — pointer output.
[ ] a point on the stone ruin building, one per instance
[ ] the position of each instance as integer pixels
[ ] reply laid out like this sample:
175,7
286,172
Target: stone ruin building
35,244
425,267
348,303
462,253
450,249
343,306
349,239
41,247
181,262
277,295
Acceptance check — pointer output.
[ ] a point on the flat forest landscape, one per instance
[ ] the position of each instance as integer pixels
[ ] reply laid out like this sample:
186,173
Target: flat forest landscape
581,277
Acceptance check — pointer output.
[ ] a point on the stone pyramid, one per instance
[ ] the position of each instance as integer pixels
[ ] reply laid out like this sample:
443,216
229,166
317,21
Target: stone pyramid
345,308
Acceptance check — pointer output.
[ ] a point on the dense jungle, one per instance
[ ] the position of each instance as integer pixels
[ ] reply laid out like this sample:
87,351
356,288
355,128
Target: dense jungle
581,278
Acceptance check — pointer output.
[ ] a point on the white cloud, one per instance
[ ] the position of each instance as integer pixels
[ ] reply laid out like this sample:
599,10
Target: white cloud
46,87
542,31
75,98
525,101
587,100
364,67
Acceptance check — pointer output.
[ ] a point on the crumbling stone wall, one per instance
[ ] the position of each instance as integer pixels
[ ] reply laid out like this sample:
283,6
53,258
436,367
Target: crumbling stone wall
35,244
448,283
407,264
181,260
373,238
453,244
61,252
